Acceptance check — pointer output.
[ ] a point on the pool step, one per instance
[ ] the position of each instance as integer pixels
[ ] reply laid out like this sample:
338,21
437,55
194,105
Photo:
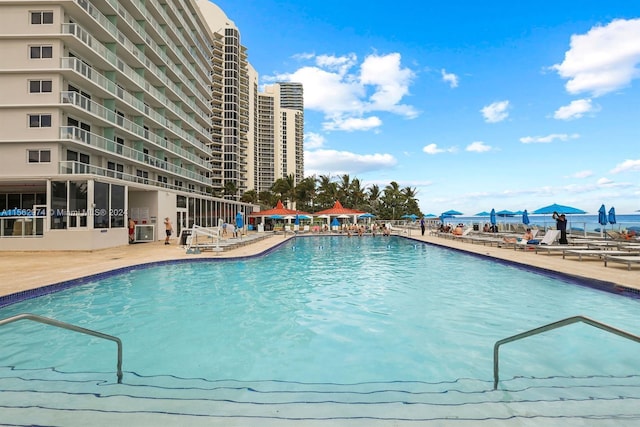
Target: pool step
45,397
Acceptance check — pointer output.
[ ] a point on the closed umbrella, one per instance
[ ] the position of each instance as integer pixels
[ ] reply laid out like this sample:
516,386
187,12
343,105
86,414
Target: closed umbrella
602,219
296,221
612,215
602,216
525,217
492,219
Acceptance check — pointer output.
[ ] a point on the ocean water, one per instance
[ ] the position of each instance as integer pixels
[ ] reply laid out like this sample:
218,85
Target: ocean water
577,223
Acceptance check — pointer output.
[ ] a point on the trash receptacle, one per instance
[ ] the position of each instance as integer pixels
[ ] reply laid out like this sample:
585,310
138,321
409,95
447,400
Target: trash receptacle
476,227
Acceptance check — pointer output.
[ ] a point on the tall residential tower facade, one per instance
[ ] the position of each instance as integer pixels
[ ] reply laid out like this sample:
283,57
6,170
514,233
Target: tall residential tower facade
113,110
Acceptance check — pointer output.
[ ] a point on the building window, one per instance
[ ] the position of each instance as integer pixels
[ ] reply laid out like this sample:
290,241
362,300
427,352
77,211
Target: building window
39,156
39,120
41,52
42,17
40,86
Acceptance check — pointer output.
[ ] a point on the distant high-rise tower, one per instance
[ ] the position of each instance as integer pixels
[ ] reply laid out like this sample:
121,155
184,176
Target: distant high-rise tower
233,76
279,137
257,136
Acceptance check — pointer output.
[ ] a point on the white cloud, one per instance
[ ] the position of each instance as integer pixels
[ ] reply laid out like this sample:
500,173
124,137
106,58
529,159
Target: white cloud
478,147
574,110
342,88
582,174
627,165
391,83
548,139
350,124
604,182
432,149
495,112
450,78
341,64
603,60
333,162
313,140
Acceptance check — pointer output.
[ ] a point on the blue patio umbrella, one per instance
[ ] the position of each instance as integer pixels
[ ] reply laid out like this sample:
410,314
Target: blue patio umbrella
451,213
505,213
558,208
612,215
239,220
296,221
492,217
602,215
276,216
525,217
366,215
483,213
335,222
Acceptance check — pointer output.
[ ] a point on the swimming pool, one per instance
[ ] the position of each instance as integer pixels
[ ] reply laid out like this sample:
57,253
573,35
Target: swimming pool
330,311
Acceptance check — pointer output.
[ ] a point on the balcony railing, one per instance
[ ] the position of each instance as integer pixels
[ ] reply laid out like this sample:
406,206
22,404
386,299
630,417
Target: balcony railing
108,85
70,97
77,168
107,145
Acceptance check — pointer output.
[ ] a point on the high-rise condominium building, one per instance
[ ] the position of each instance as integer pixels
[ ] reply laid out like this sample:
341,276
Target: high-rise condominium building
113,110
263,131
279,135
236,100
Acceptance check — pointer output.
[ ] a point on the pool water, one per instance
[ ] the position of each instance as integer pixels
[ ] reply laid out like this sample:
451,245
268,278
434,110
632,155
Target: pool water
328,310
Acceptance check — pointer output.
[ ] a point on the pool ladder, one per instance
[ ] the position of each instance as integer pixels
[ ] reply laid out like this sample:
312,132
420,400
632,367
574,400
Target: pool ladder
57,323
550,326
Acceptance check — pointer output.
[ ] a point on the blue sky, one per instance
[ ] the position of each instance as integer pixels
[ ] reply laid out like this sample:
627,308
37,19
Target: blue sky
478,105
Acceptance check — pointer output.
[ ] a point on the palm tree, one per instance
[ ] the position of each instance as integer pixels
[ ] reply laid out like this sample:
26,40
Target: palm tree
410,201
392,201
356,199
327,192
373,198
285,187
306,193
230,190
344,188
250,196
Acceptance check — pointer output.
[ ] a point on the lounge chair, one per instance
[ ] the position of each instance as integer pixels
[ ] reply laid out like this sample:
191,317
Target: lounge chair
632,259
595,253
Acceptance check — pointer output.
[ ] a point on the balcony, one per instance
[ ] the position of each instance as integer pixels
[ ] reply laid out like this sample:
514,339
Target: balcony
109,116
100,143
77,168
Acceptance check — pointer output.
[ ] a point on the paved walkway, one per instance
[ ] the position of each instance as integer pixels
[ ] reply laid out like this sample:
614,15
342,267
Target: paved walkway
21,271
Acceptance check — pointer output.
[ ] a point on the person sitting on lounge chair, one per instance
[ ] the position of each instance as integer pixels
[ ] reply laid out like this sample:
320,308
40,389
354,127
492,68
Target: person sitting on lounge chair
528,235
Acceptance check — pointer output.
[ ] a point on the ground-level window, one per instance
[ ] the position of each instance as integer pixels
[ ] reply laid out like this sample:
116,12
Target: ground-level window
39,156
109,205
39,120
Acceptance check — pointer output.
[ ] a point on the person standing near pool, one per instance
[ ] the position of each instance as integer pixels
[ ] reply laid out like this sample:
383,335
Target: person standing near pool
422,225
132,230
561,224
168,228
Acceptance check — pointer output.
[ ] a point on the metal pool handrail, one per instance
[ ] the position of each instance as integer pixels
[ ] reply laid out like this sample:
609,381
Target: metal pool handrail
550,326
57,323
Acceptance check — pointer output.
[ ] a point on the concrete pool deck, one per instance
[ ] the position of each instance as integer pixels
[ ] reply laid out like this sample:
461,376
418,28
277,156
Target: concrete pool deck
21,271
